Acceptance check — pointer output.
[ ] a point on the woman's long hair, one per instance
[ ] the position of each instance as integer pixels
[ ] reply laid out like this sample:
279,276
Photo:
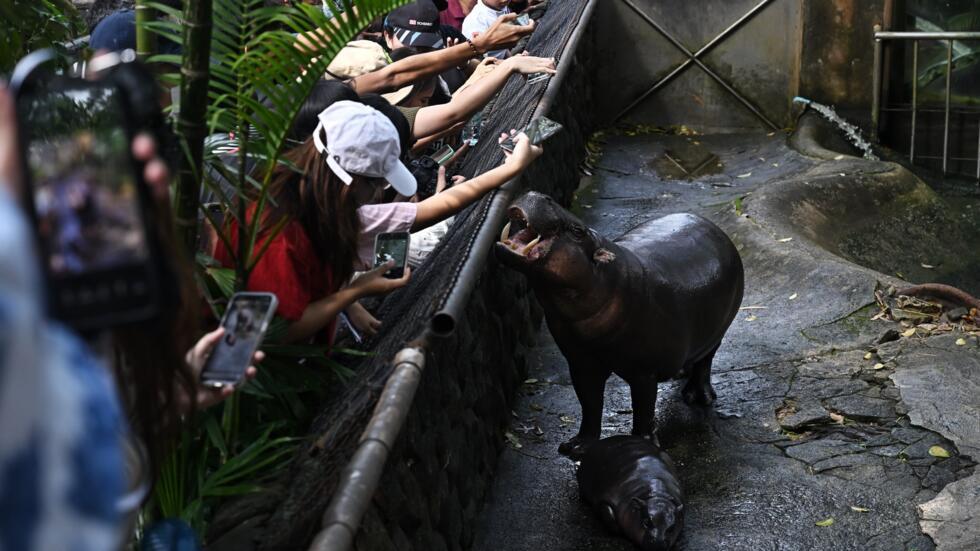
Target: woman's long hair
150,366
322,203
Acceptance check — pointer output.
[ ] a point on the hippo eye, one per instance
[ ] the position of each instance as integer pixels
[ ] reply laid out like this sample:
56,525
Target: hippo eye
578,231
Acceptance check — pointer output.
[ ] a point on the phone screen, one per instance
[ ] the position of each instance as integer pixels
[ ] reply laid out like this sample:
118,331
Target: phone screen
392,246
245,323
85,197
537,131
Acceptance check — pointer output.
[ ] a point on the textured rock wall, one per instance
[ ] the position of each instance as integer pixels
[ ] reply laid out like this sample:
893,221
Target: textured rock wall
440,471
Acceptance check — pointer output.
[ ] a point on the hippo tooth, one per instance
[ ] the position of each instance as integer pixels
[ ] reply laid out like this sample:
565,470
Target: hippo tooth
529,246
505,233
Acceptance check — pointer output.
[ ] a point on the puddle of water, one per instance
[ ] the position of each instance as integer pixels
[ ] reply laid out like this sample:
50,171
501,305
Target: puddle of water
935,243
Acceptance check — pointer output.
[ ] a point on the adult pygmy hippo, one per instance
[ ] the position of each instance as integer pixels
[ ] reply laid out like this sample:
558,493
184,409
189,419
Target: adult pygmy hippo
653,303
633,488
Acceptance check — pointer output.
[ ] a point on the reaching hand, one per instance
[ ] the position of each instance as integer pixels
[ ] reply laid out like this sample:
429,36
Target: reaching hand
375,283
9,154
524,153
363,320
527,64
206,397
502,34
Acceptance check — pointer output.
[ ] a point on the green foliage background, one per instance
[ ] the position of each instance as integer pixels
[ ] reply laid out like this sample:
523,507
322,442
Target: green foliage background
28,25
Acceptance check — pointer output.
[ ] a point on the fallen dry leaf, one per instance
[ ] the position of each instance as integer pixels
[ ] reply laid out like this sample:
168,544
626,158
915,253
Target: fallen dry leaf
530,381
746,175
908,332
513,440
825,522
785,240
938,451
960,342
837,418
753,307
868,356
751,317
859,509
793,296
927,266
879,366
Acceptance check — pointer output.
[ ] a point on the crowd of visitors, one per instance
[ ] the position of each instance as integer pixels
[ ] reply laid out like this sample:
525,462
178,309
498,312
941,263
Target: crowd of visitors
372,152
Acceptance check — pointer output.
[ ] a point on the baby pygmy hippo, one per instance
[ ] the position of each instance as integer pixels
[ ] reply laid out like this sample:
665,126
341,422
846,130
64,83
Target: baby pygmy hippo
631,484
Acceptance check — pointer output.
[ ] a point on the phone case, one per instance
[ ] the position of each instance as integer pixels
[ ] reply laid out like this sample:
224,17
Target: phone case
382,237
213,377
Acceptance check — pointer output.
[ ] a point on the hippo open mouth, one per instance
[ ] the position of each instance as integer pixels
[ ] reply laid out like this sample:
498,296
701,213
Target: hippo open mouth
521,239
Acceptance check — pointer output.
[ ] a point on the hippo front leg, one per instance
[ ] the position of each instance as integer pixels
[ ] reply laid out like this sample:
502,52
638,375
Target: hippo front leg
590,384
643,392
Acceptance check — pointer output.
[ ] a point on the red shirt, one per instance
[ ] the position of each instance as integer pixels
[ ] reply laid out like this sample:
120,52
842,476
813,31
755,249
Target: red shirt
453,15
290,268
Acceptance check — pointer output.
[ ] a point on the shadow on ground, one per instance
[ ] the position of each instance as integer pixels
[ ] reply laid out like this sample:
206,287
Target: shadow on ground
814,421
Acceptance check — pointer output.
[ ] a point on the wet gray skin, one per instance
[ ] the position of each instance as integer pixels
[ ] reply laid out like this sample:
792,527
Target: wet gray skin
658,299
632,486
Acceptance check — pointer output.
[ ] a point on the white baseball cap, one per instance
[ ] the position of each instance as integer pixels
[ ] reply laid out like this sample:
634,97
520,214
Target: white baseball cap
362,141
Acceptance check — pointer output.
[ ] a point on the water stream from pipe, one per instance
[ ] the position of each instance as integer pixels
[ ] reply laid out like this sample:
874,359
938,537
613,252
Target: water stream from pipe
851,132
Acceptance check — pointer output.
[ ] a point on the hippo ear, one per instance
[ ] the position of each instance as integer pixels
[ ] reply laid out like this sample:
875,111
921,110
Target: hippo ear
608,517
603,255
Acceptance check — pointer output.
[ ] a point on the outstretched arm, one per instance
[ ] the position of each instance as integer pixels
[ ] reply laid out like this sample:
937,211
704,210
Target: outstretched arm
401,73
443,205
464,104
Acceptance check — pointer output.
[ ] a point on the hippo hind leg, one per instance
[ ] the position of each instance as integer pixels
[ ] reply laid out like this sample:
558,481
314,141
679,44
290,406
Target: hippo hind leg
698,390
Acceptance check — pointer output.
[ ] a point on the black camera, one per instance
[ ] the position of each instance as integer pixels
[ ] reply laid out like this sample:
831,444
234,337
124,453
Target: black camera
426,172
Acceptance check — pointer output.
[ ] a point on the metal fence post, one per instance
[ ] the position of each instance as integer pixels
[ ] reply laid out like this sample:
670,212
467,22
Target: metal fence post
949,85
876,87
915,95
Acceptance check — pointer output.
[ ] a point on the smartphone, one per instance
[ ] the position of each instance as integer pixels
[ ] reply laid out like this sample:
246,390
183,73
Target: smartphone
392,246
523,20
443,155
92,211
245,321
538,130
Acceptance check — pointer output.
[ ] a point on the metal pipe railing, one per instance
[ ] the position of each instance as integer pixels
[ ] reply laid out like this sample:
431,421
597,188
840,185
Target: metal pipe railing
359,480
443,323
876,100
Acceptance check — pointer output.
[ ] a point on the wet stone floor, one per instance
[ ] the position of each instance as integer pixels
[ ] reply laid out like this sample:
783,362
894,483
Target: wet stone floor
813,420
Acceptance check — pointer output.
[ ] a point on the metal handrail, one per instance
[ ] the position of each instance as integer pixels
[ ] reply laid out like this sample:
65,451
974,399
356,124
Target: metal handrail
888,35
915,37
443,323
359,479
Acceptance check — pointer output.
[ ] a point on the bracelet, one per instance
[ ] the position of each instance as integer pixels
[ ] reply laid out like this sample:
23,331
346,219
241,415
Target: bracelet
473,47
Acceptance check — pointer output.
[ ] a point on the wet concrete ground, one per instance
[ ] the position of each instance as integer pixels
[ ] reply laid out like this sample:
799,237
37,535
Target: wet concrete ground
807,426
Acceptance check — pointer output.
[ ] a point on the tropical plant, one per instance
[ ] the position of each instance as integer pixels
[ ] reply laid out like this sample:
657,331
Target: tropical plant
28,25
244,75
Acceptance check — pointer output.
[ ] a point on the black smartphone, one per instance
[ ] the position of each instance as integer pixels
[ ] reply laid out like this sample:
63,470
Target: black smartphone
91,209
392,246
245,321
538,130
